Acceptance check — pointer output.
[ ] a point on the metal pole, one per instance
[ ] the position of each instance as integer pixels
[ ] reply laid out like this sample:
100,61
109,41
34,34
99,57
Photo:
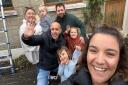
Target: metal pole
7,39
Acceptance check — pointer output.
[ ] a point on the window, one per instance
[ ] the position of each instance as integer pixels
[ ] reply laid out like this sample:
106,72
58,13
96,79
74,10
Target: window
7,4
8,8
51,2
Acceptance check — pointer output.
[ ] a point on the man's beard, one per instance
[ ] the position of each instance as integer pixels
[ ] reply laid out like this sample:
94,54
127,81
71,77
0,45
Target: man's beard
61,15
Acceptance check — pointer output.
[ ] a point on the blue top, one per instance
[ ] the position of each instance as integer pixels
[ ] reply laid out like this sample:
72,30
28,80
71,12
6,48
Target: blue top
66,70
45,23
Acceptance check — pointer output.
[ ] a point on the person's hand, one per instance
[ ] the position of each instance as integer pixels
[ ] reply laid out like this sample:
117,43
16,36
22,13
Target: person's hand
30,28
78,48
63,60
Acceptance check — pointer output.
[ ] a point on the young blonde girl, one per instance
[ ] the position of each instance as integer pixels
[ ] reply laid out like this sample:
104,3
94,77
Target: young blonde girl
67,65
45,20
73,39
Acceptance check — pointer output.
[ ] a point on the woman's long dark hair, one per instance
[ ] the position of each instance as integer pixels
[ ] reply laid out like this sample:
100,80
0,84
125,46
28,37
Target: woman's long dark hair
104,29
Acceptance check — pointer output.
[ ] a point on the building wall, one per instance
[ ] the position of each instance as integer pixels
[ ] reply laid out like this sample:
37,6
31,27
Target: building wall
14,22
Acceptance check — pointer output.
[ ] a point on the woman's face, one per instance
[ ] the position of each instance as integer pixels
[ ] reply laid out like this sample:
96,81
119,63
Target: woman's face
30,15
73,33
102,58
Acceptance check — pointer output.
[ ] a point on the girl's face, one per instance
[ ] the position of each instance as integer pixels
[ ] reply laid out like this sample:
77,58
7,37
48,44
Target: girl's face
42,11
102,58
64,57
30,15
73,33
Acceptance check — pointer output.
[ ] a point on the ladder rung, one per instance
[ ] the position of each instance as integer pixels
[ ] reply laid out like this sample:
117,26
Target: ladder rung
1,18
3,43
1,31
3,57
6,67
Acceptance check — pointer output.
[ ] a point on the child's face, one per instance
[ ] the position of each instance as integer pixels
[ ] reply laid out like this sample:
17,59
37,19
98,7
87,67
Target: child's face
64,57
42,11
73,33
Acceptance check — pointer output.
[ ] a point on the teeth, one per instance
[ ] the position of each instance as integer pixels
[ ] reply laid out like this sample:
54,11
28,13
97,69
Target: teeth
99,69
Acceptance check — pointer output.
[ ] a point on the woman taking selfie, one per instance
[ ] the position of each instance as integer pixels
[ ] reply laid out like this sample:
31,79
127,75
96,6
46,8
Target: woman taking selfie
104,60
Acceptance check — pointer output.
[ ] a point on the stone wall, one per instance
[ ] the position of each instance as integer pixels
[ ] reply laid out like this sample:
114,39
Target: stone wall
14,22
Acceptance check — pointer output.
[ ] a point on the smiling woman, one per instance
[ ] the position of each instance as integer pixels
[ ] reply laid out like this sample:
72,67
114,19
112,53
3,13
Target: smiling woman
105,58
106,55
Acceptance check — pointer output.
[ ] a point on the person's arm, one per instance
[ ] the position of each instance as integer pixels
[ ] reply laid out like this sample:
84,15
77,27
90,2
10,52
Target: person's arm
33,40
82,77
61,69
76,55
70,70
28,36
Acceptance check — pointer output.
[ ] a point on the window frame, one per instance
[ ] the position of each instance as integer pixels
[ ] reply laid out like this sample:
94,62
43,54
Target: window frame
8,7
65,2
9,11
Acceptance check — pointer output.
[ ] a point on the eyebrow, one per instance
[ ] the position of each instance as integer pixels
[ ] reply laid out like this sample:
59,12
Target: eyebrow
92,46
112,50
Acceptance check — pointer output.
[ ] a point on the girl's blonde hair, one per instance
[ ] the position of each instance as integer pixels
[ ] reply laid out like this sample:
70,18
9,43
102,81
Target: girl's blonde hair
78,30
43,7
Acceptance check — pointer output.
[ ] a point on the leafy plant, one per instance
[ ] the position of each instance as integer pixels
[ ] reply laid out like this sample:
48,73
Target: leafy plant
92,13
22,63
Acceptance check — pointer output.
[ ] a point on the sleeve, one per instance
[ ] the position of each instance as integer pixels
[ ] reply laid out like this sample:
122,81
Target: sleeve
61,69
34,40
67,82
49,20
76,54
71,69
71,80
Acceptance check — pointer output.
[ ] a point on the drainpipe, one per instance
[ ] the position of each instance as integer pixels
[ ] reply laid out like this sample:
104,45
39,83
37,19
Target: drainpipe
125,20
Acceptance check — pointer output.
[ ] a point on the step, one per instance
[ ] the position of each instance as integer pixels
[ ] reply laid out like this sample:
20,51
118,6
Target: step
3,44
3,56
5,67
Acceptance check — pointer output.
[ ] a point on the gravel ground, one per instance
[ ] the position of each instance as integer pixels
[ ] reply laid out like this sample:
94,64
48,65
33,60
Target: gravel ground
20,78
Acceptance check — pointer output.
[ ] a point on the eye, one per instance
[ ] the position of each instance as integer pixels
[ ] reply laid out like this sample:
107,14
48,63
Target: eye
92,50
110,54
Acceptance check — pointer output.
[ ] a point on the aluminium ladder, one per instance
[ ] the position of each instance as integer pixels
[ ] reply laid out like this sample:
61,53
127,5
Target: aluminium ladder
8,56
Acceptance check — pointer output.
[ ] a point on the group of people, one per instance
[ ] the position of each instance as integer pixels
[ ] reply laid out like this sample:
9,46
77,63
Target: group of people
59,45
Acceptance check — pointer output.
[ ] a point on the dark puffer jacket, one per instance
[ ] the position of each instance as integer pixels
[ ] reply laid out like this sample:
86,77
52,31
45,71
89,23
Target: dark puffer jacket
83,78
48,49
80,78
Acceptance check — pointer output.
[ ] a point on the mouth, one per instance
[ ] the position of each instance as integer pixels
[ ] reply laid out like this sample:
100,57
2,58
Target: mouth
98,68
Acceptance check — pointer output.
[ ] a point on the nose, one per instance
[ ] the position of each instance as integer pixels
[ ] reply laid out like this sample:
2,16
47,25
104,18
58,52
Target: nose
100,58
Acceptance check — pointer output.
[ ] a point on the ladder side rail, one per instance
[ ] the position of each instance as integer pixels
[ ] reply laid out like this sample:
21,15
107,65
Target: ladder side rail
6,35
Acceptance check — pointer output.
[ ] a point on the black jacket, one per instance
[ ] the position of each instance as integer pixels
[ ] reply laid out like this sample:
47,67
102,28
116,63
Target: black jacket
71,20
48,49
80,78
83,78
